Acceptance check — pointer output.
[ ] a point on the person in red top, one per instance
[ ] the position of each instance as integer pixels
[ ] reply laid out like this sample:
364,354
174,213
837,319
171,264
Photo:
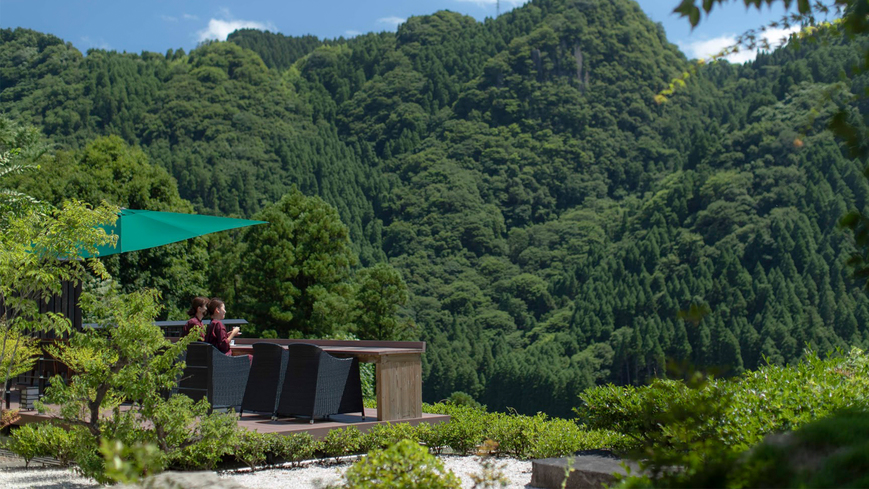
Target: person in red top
216,332
197,311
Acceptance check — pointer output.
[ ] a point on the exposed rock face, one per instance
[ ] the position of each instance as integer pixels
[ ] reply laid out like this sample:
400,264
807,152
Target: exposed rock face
581,75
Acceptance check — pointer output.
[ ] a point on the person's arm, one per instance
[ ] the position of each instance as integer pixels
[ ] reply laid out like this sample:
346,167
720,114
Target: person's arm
222,337
233,333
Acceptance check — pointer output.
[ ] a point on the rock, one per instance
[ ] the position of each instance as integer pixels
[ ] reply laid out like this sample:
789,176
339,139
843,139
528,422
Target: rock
185,480
588,471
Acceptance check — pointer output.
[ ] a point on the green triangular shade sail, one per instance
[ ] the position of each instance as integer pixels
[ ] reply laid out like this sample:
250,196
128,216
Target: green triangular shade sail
140,229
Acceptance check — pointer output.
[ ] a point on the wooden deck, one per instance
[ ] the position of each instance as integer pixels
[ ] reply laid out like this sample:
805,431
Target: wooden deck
283,426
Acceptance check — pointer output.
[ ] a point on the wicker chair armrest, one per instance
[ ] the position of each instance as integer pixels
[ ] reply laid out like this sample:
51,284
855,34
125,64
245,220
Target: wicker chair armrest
229,377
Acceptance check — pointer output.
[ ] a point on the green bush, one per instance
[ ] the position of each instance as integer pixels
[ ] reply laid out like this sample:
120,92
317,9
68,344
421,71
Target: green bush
736,413
49,440
463,435
517,435
129,464
35,440
703,427
384,435
403,465
217,434
830,452
431,436
460,398
296,447
253,448
343,441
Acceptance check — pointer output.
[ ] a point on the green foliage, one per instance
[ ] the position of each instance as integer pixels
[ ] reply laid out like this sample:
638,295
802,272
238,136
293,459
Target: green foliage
253,448
516,435
129,464
108,169
836,445
213,437
18,354
382,436
829,452
38,440
464,433
704,425
295,447
37,254
549,218
127,359
344,441
296,270
403,465
20,152
132,452
380,292
460,398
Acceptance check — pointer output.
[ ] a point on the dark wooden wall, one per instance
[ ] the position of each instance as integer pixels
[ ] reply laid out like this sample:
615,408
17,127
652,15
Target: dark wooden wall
66,303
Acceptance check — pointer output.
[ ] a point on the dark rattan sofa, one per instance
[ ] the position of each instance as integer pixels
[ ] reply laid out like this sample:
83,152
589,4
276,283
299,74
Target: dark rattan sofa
317,385
266,378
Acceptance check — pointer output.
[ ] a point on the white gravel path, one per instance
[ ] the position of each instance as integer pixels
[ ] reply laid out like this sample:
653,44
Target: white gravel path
310,476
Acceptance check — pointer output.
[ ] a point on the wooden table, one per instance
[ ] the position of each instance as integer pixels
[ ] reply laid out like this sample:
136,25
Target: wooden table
398,370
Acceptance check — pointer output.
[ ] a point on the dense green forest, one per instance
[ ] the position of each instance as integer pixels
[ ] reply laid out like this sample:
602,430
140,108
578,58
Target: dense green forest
508,190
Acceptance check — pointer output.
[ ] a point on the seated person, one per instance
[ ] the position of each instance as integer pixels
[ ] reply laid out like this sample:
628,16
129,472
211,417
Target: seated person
198,307
216,331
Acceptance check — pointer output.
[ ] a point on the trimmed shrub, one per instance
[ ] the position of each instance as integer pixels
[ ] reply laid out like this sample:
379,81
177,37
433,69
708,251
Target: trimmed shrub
296,447
403,465
217,435
343,441
384,435
253,448
35,440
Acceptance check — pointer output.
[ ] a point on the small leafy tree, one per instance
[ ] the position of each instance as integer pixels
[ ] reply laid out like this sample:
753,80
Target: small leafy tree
127,359
38,252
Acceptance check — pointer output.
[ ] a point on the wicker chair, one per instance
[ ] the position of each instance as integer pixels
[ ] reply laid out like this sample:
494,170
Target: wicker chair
317,384
215,376
266,378
166,394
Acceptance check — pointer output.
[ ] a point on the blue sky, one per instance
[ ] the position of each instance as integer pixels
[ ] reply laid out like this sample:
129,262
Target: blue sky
158,25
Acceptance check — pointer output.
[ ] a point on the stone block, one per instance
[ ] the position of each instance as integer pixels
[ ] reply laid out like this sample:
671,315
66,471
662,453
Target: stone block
589,471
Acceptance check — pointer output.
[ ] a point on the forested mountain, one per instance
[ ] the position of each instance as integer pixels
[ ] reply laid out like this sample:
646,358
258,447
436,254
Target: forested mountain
556,228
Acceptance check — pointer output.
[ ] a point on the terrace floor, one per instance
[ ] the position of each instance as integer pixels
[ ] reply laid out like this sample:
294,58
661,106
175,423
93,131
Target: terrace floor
283,426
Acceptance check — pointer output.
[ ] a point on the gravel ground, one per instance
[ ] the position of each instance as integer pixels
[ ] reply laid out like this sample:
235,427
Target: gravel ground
312,476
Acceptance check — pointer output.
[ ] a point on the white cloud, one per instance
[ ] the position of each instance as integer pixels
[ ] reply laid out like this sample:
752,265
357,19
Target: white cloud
391,20
709,47
351,33
219,29
169,18
189,17
101,44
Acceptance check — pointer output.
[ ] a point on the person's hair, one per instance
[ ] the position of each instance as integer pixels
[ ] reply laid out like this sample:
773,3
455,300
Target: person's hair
196,304
213,305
